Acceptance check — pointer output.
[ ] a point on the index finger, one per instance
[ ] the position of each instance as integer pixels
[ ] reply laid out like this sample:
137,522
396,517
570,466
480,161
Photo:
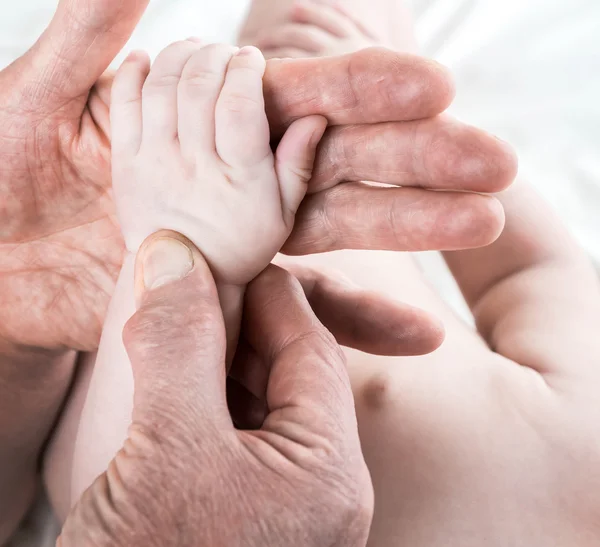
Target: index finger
308,369
370,86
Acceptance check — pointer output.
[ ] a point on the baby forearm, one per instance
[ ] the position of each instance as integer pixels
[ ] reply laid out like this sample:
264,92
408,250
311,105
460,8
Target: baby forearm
106,413
232,304
33,385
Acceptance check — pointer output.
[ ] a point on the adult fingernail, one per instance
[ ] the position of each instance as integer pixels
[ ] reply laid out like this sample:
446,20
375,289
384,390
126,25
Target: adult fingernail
166,260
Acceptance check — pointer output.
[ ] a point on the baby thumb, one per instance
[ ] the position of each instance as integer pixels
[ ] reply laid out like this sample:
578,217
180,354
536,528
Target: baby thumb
294,161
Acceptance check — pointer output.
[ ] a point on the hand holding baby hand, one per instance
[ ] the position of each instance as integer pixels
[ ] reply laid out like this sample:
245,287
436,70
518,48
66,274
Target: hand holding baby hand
185,476
191,153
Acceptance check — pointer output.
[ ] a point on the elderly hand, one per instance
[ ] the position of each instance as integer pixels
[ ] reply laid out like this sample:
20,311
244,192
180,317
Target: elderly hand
185,475
60,247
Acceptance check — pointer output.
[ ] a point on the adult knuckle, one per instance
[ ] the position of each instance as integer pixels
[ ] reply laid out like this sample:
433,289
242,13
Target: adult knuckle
120,508
357,497
347,491
273,276
165,326
318,345
143,329
358,510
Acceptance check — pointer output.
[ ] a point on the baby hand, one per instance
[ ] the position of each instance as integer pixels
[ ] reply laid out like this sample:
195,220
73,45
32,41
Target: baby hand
191,153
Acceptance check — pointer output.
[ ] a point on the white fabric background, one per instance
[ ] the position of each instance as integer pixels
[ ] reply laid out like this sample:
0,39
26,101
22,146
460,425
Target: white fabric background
527,70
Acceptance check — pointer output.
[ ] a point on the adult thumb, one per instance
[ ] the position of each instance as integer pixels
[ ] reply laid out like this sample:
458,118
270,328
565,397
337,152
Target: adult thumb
79,44
176,343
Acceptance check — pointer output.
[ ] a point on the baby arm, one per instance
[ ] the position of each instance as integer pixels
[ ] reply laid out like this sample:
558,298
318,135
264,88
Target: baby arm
191,153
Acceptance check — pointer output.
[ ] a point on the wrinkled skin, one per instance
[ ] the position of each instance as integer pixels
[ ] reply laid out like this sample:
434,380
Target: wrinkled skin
300,480
61,249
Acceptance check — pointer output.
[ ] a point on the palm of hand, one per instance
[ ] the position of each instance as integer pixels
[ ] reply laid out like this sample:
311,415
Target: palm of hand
60,247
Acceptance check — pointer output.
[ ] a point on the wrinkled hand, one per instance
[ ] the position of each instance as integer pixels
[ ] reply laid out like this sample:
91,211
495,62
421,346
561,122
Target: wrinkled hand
60,248
185,476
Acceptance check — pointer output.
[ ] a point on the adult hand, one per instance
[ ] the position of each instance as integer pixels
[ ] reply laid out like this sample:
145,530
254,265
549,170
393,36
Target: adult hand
368,321
60,247
186,476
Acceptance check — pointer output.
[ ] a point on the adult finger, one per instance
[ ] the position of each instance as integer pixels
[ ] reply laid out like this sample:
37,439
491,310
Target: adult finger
366,320
439,153
307,366
370,86
81,41
362,216
176,343
534,293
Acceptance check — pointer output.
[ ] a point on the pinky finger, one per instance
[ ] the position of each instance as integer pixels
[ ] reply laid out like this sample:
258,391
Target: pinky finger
294,162
126,103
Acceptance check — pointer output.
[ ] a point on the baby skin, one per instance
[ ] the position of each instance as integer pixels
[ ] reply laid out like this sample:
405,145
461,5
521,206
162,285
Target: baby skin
191,153
323,28
317,29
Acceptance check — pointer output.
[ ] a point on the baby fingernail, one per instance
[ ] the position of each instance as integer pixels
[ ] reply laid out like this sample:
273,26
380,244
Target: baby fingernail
135,55
246,50
166,260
